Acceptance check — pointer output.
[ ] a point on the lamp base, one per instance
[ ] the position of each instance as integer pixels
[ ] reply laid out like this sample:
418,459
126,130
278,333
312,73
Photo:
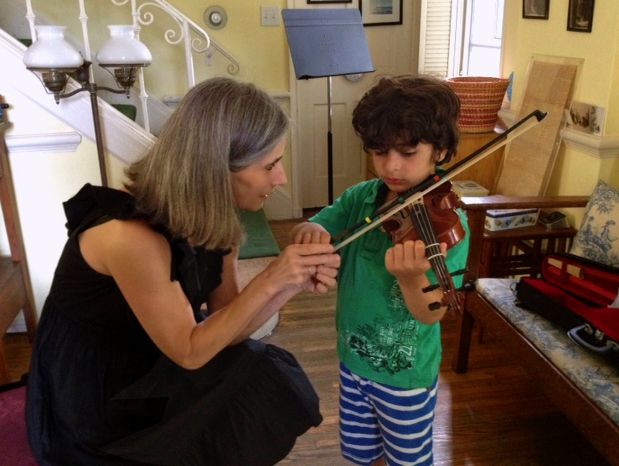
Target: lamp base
125,75
55,80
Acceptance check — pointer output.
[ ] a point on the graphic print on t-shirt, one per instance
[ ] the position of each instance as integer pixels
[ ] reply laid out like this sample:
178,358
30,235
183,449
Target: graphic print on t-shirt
389,343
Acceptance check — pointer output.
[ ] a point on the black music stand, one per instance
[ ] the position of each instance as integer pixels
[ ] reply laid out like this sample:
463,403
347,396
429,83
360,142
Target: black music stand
325,43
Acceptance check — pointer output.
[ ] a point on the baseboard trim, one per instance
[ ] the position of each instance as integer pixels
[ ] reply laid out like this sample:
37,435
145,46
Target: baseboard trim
47,142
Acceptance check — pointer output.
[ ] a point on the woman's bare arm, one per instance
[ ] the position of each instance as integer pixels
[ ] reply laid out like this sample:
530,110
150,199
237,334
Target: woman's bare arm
139,261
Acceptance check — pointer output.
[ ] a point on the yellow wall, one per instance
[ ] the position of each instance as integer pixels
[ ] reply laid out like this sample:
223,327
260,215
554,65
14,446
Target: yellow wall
261,51
575,172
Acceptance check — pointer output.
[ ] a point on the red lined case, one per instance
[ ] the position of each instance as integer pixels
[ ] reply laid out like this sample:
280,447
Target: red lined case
577,294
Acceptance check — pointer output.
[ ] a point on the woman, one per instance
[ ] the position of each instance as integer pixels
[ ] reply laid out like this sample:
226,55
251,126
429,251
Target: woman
142,354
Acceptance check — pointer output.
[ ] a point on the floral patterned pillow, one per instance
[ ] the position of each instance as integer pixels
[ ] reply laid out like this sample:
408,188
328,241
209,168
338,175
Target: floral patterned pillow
598,236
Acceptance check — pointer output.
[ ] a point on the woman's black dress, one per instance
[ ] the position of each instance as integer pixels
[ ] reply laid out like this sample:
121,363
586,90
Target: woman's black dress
101,393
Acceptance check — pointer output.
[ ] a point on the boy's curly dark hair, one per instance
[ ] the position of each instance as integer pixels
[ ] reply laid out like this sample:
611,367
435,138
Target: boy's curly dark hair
406,110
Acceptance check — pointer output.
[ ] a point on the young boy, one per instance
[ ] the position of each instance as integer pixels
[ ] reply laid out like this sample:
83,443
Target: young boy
389,342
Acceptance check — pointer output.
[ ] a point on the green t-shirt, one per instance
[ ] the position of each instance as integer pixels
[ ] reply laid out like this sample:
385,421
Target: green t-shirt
377,337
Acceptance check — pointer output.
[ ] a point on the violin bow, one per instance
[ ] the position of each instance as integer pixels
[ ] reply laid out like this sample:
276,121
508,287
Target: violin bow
417,192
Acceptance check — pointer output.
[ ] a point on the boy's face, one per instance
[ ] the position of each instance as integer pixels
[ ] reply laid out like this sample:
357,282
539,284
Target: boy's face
403,167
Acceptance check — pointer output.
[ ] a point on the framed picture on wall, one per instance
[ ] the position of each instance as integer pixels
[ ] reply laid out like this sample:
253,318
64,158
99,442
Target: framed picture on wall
535,9
580,15
329,1
380,12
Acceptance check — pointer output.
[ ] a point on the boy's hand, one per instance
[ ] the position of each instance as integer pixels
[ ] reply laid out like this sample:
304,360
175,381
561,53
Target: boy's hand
309,233
408,259
408,263
325,275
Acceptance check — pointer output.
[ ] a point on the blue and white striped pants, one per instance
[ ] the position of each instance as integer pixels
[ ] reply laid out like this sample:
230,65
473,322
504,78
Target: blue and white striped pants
379,420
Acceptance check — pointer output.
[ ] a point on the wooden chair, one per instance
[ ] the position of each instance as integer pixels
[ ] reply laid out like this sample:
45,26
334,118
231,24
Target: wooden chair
515,251
15,287
508,252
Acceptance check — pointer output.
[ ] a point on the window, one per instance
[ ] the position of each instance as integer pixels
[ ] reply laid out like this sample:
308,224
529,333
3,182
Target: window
461,37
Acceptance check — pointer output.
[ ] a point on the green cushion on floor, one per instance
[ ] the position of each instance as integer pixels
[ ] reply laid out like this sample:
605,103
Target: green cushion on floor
260,241
130,111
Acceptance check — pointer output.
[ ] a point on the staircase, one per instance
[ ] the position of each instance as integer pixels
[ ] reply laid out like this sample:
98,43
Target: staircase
148,110
50,158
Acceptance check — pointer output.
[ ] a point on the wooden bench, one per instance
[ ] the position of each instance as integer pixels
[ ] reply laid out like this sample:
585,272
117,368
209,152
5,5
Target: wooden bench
571,377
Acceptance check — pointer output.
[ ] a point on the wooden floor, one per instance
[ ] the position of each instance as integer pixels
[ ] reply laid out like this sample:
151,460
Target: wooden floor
493,415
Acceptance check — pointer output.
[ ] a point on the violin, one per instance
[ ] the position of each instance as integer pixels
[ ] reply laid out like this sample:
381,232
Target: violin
433,220
439,208
428,213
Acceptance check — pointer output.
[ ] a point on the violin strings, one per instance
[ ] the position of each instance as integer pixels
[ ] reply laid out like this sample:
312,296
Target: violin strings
432,243
426,232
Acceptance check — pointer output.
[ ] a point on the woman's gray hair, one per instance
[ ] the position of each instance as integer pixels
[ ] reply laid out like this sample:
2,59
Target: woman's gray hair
183,181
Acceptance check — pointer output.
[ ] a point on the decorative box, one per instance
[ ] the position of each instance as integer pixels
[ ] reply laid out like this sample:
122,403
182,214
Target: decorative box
468,188
506,219
553,220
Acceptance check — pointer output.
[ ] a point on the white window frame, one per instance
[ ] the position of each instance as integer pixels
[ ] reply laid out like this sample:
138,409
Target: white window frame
445,36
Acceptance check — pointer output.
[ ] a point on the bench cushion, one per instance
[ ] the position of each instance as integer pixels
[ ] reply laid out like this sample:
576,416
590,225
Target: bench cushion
590,373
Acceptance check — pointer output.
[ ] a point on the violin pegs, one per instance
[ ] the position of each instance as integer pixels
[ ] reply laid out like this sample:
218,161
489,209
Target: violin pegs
435,306
459,272
429,288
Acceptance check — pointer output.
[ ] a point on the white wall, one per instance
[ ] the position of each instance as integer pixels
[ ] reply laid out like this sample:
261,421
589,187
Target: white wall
43,179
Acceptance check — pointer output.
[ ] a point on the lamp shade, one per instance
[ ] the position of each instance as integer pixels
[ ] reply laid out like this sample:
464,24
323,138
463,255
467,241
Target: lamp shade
51,50
123,48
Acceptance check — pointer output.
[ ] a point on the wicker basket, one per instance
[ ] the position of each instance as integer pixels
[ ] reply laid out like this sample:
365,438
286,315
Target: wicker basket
480,101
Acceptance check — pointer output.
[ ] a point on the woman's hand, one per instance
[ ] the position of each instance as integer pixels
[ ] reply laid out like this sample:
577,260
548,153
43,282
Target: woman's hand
313,233
305,267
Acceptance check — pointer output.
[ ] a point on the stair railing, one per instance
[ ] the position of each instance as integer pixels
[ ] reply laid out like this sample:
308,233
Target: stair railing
187,27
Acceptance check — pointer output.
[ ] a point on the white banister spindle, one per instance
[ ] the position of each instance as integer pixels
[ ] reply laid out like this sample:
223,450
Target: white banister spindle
30,17
144,100
83,17
134,18
143,94
191,74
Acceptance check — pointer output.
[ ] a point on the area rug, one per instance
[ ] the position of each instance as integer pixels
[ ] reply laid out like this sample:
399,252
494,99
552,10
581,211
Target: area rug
248,269
258,251
14,448
260,241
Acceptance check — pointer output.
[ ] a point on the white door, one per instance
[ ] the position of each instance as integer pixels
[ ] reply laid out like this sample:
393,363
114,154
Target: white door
394,51
348,159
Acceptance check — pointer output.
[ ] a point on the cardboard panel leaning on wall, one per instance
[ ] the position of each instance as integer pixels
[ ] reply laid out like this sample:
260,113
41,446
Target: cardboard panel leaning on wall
529,160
